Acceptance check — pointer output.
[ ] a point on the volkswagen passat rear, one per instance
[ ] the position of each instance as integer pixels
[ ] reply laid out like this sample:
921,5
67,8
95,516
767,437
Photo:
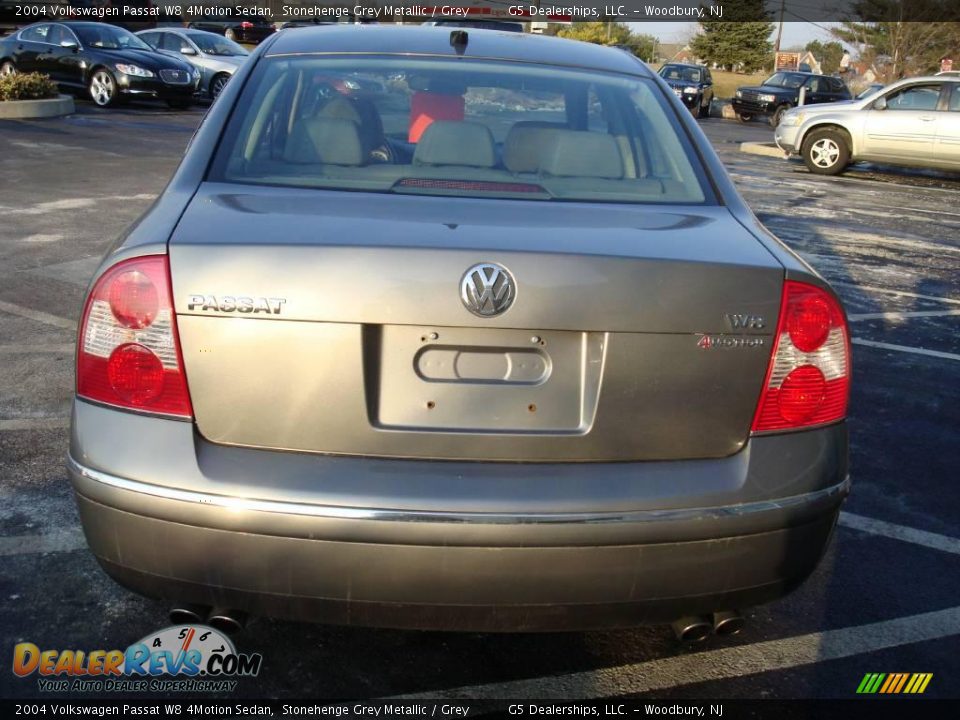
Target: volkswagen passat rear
499,348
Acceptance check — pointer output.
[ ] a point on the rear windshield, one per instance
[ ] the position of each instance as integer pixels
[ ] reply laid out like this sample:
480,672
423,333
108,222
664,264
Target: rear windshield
458,127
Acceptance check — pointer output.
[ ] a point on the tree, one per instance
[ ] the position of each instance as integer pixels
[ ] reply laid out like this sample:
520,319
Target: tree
902,37
828,54
739,40
612,33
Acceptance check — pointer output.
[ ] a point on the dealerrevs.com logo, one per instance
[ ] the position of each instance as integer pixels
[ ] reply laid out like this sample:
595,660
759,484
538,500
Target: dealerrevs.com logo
185,658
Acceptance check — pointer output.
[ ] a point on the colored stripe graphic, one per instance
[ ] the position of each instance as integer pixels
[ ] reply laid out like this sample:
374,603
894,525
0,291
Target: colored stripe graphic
894,683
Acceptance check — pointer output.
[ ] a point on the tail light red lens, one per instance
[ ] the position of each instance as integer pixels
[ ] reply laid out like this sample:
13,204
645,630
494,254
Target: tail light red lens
246,24
808,380
128,351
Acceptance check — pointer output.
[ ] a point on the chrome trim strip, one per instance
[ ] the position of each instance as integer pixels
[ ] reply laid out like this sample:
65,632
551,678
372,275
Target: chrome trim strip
430,516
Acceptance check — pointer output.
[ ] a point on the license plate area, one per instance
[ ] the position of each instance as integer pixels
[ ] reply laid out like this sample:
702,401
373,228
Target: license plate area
483,380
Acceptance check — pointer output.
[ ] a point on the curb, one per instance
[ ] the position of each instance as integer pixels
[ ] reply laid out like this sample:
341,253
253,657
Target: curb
765,149
29,109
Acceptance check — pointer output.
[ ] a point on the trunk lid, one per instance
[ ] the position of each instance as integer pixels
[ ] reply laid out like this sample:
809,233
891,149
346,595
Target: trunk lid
333,322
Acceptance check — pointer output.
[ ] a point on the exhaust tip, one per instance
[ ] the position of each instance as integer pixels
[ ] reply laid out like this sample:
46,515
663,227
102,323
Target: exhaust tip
692,629
188,613
227,621
727,622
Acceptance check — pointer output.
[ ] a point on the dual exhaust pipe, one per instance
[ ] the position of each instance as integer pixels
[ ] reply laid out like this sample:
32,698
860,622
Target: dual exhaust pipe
225,620
689,629
696,628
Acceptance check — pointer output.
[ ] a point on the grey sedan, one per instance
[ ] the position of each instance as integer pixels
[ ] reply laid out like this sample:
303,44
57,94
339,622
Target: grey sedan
497,348
215,56
913,122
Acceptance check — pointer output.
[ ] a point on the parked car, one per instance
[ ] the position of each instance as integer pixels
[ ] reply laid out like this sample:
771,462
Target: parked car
536,366
913,122
216,57
691,83
303,22
252,31
106,62
781,91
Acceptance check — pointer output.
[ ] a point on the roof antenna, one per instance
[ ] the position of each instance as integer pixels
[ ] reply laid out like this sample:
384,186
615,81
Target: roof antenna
459,40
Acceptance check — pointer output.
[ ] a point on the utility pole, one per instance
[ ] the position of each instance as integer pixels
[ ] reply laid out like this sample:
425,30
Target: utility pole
776,47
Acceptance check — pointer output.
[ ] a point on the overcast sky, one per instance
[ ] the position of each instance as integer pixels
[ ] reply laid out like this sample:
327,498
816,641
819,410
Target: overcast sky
794,33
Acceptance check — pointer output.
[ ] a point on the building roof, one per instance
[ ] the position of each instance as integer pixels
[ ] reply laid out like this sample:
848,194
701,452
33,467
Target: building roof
424,40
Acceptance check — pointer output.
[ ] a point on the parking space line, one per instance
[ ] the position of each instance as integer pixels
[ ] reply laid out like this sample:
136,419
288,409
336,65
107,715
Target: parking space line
944,543
35,349
891,291
43,423
721,664
37,315
906,349
901,315
60,541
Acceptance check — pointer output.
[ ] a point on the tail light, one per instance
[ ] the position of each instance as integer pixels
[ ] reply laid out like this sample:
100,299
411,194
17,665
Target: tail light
128,352
808,379
246,25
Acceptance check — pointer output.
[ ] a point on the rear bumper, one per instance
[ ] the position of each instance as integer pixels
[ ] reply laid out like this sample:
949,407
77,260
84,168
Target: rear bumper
541,565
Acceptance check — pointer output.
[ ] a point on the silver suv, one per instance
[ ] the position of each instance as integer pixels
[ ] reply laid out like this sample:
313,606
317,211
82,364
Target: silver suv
914,122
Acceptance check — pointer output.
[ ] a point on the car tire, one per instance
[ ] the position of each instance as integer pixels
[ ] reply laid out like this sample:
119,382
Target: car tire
778,115
229,34
7,68
179,104
217,83
103,87
826,152
744,117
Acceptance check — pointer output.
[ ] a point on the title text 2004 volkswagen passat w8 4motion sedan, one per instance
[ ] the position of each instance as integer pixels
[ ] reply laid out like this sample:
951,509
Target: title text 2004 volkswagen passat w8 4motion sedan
495,347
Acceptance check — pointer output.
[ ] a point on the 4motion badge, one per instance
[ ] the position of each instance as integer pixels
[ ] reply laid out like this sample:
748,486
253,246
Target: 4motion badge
726,342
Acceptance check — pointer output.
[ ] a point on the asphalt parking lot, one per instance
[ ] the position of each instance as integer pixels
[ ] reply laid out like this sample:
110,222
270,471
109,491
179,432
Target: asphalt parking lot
885,599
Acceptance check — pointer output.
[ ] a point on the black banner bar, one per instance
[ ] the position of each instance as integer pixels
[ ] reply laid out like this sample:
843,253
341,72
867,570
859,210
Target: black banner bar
873,708
23,12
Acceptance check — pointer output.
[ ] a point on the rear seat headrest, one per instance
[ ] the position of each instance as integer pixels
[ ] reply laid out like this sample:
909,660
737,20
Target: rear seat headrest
334,141
574,153
523,148
446,142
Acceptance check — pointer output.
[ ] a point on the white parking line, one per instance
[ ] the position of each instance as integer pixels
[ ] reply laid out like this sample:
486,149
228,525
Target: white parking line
61,541
722,664
37,315
891,291
906,349
43,423
35,349
901,315
900,532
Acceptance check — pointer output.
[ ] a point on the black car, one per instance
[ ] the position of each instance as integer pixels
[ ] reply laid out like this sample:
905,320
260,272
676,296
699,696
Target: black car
105,61
781,91
693,84
252,31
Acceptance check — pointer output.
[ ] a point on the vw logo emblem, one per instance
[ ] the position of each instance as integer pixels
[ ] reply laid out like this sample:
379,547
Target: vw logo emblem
487,289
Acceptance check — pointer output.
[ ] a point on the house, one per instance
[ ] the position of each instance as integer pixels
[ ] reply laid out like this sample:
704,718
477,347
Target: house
675,52
811,61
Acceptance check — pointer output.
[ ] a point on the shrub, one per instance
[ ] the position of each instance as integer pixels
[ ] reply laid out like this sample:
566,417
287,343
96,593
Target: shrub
27,86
